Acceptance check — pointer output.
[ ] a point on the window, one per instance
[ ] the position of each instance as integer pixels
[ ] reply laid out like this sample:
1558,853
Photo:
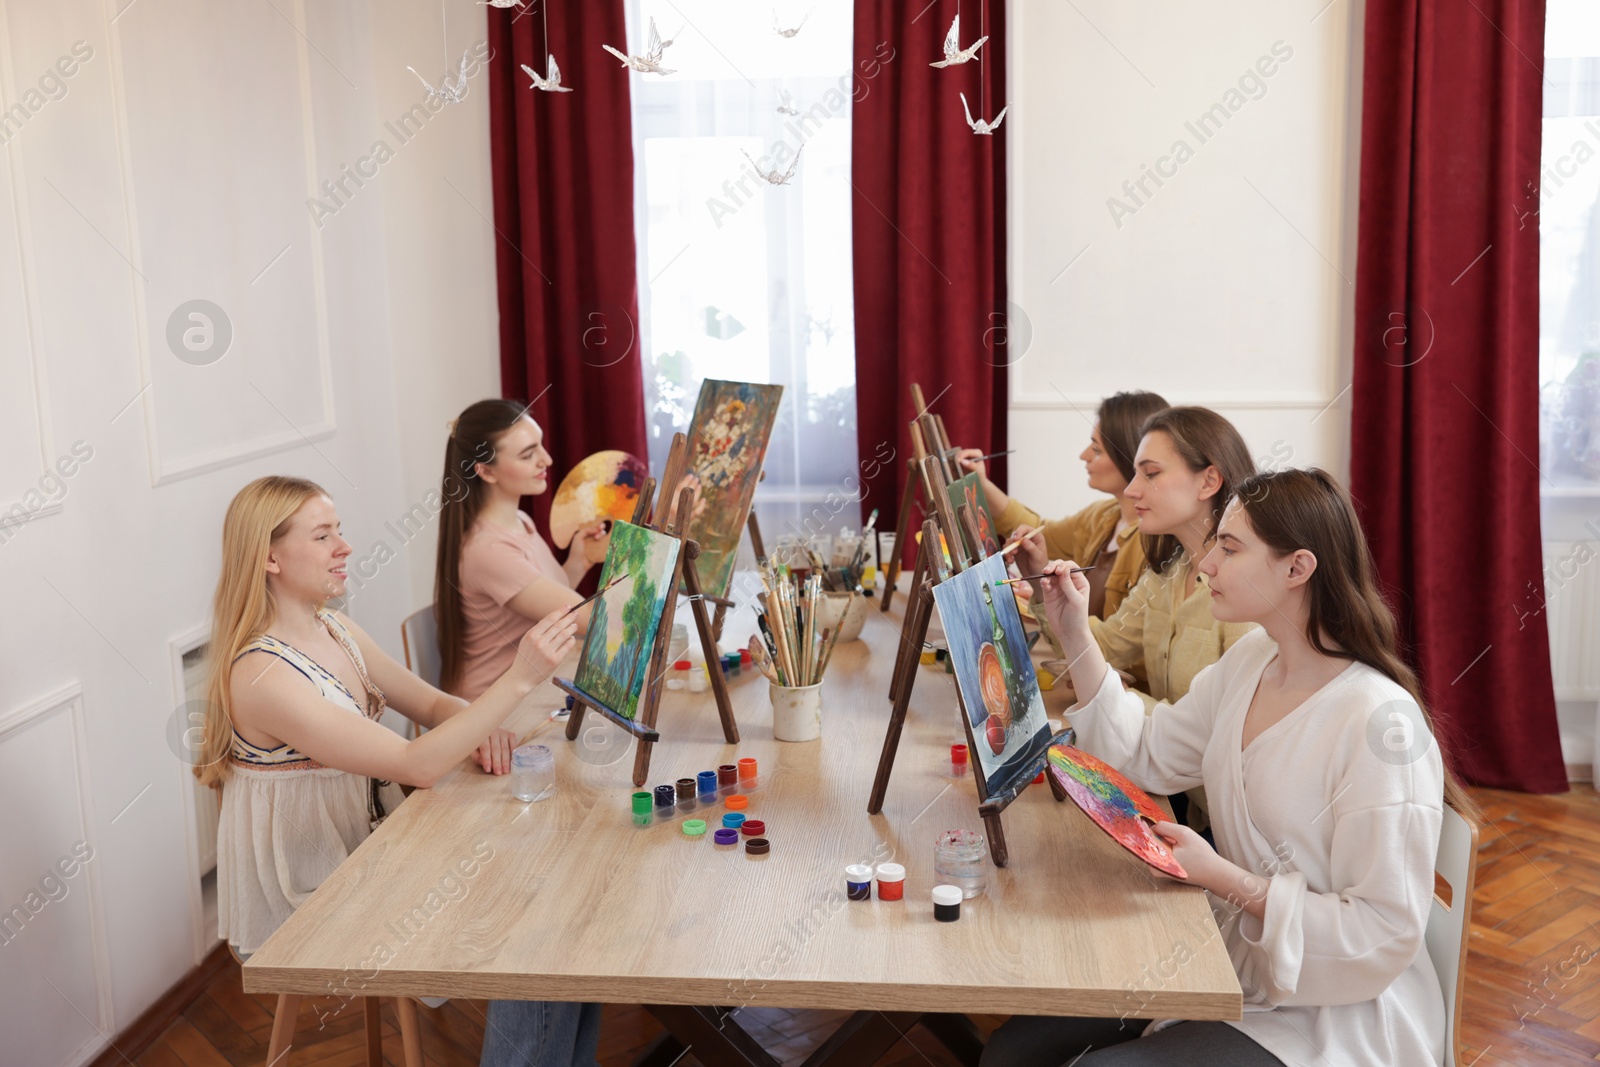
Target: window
738,278
1567,206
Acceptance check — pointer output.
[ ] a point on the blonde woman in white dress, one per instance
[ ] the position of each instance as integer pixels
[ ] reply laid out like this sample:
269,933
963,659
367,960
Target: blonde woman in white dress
1326,828
292,736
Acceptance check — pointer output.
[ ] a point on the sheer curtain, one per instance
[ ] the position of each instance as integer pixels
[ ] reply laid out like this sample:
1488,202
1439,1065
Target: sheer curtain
742,279
1566,209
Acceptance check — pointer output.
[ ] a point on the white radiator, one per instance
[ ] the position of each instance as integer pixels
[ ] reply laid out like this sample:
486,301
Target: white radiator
1572,613
206,812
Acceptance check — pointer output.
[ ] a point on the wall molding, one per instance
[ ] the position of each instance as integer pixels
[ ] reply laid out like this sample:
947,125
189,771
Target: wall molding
33,317
177,648
70,701
162,472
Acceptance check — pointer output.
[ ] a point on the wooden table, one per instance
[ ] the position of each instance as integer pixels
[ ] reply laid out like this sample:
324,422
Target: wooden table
465,892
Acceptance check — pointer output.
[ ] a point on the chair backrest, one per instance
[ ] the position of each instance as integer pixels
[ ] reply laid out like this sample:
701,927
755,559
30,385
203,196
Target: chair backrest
419,635
1446,936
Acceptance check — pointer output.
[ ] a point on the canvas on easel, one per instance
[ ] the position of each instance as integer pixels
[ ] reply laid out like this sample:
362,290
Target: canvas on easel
728,437
623,664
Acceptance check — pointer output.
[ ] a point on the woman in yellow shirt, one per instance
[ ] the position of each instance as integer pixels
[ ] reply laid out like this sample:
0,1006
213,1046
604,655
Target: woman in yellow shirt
1103,534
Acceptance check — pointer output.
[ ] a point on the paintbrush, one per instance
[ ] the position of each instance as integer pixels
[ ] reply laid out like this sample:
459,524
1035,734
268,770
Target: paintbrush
992,455
1031,577
1012,547
594,596
772,645
829,639
758,656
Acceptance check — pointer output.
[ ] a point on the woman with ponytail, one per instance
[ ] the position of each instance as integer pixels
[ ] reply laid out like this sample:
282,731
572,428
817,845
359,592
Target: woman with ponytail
291,733
1327,791
495,576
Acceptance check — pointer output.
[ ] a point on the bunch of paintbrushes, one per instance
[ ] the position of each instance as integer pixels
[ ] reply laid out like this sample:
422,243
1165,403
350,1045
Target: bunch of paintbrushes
790,651
847,578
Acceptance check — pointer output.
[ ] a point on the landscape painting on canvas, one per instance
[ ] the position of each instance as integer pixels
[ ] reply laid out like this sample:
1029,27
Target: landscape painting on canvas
624,622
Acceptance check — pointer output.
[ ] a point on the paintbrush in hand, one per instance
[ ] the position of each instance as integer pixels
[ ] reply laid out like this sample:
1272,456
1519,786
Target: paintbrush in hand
602,591
1031,577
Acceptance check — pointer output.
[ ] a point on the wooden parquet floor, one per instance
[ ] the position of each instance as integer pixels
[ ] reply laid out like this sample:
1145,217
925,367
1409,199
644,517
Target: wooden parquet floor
1532,994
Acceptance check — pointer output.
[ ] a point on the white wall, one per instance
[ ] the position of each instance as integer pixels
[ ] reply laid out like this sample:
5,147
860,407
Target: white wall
1229,284
176,163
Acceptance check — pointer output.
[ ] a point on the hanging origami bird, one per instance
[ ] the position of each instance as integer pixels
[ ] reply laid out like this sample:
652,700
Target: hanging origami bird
650,62
501,3
979,125
551,83
953,52
773,177
781,31
786,105
449,93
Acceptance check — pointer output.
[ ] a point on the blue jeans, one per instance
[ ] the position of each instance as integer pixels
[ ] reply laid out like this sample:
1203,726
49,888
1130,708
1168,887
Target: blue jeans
540,1033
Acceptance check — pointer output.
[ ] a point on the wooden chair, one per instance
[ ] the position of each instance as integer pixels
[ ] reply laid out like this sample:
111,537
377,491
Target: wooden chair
1449,924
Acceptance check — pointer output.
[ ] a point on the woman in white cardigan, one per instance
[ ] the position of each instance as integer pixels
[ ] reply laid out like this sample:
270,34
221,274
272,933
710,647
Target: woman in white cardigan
1326,790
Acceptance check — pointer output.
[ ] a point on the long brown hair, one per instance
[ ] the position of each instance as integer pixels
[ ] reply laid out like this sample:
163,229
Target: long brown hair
473,439
1202,439
1348,617
243,606
1122,417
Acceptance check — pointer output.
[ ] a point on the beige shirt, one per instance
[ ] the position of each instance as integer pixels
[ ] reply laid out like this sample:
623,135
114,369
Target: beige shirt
496,565
1164,637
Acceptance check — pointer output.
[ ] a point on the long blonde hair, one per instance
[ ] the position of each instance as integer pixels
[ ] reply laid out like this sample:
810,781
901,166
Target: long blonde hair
243,607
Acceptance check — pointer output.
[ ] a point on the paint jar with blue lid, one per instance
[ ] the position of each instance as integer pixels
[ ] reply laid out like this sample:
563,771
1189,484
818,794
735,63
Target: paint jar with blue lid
858,881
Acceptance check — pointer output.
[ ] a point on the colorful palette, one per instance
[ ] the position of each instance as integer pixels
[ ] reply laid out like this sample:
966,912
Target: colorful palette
1116,805
602,486
994,672
727,446
624,622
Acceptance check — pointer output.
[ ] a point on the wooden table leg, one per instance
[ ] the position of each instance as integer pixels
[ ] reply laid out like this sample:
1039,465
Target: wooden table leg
712,1035
958,1034
863,1038
374,1026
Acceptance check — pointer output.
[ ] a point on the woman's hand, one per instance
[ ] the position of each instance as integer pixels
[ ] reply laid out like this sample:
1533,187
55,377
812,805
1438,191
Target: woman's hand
1066,600
494,755
1031,557
587,549
544,646
971,462
1211,872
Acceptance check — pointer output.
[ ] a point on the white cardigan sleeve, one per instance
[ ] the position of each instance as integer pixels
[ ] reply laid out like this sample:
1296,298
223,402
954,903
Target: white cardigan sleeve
1159,751
1349,946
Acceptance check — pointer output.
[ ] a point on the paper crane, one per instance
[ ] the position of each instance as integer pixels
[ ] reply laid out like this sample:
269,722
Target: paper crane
953,52
786,106
550,83
781,31
979,125
773,177
501,3
650,62
449,93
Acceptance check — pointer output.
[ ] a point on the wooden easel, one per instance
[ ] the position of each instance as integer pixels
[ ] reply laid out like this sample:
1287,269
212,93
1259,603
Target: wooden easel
965,548
643,726
917,474
723,603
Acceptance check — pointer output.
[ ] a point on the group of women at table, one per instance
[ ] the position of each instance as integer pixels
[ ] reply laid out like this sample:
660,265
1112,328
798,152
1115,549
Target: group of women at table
1229,643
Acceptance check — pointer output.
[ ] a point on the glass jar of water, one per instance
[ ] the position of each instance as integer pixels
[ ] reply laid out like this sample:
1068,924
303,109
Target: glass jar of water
533,773
960,859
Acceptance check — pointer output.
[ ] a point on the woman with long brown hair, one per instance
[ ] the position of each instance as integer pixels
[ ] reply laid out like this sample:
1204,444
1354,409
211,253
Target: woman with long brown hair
291,732
1106,532
495,576
1327,791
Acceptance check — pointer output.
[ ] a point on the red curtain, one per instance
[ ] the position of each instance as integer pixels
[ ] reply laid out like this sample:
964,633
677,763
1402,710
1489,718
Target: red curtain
563,210
1445,441
929,235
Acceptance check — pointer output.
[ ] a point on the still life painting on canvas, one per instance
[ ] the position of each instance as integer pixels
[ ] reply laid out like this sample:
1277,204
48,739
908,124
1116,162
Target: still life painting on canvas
727,445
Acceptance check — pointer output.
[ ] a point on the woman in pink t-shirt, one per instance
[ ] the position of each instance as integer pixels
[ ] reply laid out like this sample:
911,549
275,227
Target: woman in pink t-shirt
496,577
